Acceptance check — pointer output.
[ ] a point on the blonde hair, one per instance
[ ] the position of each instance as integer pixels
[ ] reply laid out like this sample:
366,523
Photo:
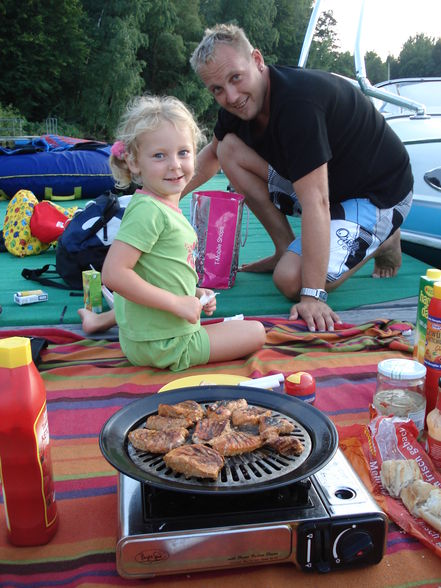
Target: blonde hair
227,34
146,113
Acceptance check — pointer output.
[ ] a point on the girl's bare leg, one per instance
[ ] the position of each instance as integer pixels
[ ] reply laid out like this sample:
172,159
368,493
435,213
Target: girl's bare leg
234,339
92,322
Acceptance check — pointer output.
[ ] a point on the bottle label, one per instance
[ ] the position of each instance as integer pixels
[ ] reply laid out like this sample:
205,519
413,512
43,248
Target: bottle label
418,418
434,450
41,430
432,355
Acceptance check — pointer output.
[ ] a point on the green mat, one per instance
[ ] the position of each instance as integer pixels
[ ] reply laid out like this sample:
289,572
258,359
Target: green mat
252,294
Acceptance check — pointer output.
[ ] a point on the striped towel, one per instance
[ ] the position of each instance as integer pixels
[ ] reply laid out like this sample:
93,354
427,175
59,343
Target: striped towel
87,381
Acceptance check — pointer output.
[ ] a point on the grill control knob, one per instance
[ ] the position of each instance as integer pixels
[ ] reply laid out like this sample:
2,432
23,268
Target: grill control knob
354,546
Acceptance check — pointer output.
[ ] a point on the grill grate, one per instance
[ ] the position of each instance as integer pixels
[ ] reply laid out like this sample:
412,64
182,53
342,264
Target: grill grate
246,469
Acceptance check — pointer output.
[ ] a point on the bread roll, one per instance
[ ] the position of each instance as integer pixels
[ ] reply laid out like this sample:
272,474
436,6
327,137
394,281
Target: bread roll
414,495
396,474
402,478
430,511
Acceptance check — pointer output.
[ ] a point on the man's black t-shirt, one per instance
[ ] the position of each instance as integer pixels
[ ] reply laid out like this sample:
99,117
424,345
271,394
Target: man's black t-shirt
316,118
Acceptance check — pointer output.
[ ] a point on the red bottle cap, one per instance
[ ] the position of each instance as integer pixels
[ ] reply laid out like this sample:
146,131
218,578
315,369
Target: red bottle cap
301,385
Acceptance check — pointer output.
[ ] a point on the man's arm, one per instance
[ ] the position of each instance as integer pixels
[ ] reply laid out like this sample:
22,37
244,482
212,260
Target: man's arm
312,192
207,165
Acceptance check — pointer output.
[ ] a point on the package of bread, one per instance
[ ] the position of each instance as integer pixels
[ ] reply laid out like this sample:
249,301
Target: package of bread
396,474
414,495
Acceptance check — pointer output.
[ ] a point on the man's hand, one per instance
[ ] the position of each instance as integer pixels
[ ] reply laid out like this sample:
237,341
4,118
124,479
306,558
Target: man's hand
317,315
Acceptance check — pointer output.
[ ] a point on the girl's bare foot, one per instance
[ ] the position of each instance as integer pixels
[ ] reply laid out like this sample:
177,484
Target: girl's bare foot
92,322
388,257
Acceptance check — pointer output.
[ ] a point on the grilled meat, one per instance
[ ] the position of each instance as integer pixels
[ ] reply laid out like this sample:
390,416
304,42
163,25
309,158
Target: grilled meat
235,443
249,416
286,445
157,441
162,423
207,429
222,409
273,426
195,460
186,409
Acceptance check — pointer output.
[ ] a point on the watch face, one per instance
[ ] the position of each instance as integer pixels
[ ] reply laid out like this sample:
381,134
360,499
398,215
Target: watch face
323,296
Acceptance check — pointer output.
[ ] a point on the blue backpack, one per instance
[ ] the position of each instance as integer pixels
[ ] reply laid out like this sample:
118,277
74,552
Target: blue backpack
84,242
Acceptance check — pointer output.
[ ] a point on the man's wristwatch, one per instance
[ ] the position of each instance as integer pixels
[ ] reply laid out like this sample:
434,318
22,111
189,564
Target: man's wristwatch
318,294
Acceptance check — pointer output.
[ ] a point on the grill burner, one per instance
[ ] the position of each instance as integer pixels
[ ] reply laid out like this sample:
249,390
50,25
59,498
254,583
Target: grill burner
239,470
165,510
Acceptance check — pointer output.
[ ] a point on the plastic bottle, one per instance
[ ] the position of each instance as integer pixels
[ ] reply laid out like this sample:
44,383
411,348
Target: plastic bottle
25,462
434,431
424,297
432,355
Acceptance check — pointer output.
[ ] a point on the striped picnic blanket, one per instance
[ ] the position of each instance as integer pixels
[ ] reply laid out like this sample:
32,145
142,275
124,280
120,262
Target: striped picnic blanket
87,381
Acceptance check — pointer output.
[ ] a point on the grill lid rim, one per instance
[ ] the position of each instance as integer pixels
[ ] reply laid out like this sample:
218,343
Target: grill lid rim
113,436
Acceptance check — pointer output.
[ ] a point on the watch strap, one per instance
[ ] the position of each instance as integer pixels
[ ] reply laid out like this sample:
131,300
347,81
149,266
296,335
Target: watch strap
316,293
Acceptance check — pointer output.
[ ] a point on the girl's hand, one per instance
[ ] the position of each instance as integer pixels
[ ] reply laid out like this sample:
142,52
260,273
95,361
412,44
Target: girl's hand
210,306
188,308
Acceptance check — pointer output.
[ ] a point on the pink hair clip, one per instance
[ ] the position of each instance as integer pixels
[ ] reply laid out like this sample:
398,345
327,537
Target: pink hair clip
118,149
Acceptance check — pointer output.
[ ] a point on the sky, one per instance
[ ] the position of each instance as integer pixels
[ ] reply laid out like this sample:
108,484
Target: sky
387,23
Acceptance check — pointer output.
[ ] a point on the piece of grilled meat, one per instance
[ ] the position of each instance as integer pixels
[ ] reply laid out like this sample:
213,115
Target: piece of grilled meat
207,429
236,442
249,416
157,441
286,445
162,423
273,426
196,460
222,409
186,409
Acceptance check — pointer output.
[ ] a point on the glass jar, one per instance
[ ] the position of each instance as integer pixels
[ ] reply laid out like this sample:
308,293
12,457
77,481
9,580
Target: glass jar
400,390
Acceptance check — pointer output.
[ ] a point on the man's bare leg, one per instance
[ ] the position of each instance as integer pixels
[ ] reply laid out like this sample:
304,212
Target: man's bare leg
287,274
91,322
248,173
388,257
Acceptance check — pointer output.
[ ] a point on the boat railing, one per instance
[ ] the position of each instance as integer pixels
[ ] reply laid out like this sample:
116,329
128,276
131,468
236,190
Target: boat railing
366,87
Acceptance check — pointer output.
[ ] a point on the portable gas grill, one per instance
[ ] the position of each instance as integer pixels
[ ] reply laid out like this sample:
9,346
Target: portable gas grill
311,510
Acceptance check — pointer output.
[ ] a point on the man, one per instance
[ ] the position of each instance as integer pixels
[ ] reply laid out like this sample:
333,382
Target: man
296,141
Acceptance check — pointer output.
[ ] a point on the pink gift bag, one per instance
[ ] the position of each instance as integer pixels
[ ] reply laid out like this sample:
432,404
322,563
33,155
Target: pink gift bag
217,219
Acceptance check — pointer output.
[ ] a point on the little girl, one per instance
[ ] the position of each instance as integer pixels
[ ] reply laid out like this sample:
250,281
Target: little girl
150,265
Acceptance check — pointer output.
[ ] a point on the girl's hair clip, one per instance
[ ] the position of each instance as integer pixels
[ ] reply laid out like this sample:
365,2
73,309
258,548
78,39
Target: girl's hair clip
118,149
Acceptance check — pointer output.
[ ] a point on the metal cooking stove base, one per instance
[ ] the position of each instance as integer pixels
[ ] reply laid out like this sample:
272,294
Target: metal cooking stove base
340,527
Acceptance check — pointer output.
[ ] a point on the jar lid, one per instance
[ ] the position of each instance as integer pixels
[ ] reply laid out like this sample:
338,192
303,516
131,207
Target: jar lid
402,369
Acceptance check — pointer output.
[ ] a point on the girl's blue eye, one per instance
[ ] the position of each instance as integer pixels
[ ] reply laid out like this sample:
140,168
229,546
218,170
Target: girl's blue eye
184,152
158,155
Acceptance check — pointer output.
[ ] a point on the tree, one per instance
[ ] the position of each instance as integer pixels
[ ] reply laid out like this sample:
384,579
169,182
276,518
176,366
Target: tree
42,47
112,74
416,57
324,47
376,70
291,21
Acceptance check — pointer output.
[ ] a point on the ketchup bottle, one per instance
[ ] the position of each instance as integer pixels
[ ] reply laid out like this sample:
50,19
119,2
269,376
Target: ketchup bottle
432,354
25,462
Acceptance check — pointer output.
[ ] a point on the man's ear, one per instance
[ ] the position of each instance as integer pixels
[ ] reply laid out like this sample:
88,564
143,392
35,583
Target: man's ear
257,57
